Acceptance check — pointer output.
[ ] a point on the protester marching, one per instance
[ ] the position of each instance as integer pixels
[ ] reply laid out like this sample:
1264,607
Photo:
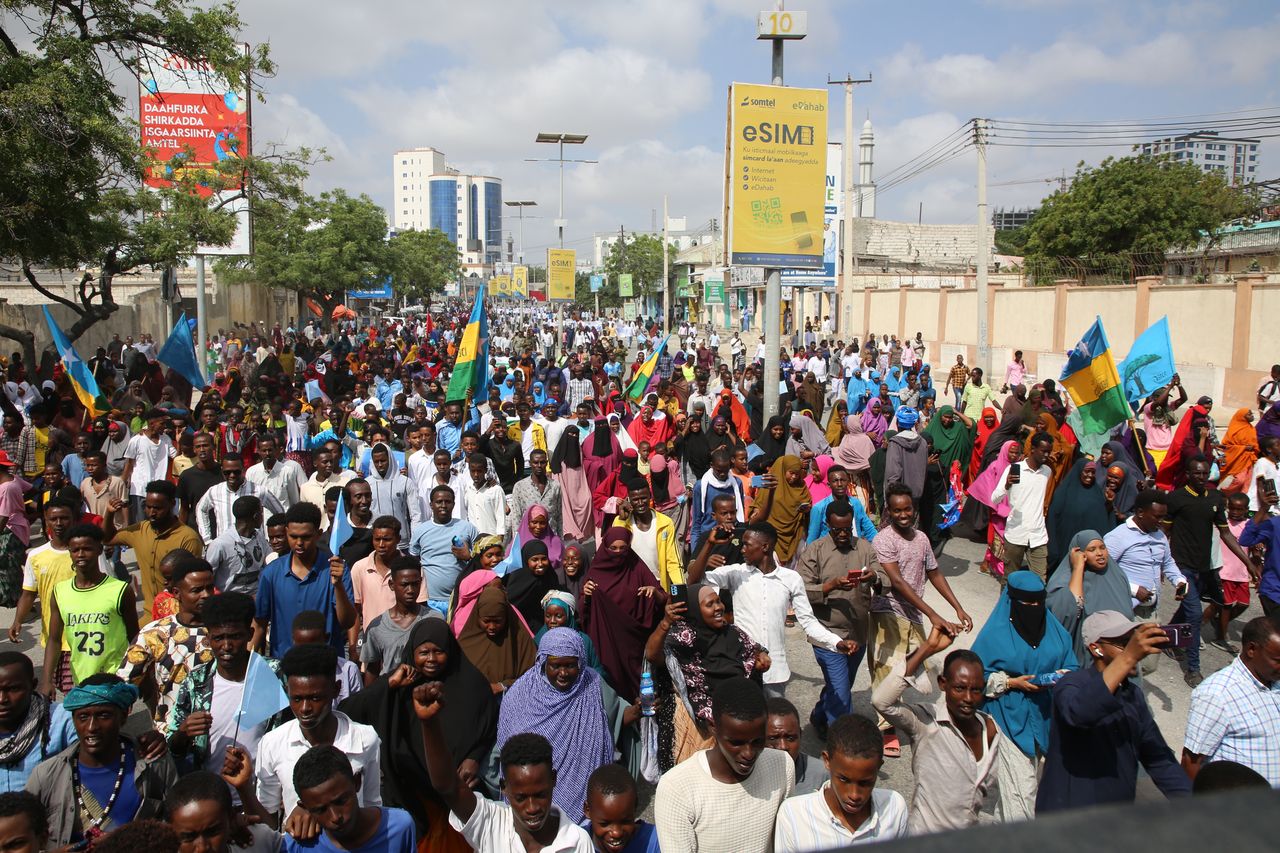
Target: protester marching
496,575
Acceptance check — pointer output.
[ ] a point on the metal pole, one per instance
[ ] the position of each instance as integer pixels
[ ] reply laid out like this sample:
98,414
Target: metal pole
984,250
773,297
666,283
521,209
560,224
202,319
849,203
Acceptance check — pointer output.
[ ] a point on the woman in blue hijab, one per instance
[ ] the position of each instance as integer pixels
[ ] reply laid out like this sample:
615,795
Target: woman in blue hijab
1019,642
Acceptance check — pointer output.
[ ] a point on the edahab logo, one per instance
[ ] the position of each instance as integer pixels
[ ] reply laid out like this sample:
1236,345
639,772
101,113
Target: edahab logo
757,102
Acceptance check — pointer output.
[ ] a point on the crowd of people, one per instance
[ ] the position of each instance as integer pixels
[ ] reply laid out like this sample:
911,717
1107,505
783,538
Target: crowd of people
376,608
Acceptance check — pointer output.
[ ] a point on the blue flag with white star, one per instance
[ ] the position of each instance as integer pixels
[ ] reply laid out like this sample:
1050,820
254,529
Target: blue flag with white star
86,387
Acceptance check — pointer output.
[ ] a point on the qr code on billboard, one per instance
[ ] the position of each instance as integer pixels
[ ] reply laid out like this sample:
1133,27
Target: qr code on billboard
767,211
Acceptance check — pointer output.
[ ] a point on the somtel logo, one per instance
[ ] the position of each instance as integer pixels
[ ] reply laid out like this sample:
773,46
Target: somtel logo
784,134
758,102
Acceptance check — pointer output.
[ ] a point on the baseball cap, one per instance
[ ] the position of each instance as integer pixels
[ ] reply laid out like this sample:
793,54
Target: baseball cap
1106,625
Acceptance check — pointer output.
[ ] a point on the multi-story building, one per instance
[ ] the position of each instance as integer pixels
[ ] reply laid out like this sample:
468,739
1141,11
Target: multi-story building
429,193
1007,219
1236,159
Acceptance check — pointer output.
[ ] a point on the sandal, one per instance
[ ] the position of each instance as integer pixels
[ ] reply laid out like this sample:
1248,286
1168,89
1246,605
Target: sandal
892,746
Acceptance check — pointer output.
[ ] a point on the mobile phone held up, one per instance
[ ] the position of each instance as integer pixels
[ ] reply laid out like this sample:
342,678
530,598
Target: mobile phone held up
757,482
1179,635
679,591
1015,468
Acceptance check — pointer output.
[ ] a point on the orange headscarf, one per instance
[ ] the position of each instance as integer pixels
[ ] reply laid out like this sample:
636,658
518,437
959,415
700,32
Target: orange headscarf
1241,447
980,443
1048,424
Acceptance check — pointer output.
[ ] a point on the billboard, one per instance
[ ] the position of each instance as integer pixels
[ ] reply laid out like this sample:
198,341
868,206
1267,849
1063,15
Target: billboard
625,287
520,281
713,292
188,112
560,269
833,213
502,285
597,282
777,162
372,290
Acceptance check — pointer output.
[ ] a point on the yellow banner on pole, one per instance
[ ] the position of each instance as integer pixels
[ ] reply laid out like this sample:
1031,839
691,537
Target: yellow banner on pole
560,270
777,177
502,285
520,281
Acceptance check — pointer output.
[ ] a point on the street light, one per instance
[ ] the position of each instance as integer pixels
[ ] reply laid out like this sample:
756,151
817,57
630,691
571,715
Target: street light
561,139
521,205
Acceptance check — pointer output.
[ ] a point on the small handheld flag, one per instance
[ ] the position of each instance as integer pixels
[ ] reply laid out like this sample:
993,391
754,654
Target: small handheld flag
263,697
179,352
341,530
86,387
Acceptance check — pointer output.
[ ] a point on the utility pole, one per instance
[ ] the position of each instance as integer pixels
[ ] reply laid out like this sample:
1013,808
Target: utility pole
846,256
666,283
984,249
773,292
202,319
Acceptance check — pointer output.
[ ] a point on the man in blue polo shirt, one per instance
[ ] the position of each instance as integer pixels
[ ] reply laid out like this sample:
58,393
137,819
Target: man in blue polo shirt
433,544
308,577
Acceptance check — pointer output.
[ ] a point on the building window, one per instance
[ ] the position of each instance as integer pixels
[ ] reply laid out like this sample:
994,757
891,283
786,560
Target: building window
441,201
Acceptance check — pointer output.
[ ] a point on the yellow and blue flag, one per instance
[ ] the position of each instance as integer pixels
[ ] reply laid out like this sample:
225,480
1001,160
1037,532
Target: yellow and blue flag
640,384
471,367
1091,378
86,387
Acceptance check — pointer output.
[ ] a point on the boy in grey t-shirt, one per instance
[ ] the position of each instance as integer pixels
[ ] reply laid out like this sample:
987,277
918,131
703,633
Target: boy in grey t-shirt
386,635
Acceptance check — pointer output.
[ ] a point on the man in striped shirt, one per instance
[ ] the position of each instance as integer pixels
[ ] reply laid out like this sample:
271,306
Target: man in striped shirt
213,512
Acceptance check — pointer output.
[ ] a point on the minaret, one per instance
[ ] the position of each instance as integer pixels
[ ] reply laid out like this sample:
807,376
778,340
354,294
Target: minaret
866,185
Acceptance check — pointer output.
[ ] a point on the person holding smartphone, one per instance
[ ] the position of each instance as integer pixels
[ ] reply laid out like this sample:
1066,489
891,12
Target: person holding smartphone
1142,550
840,571
1027,483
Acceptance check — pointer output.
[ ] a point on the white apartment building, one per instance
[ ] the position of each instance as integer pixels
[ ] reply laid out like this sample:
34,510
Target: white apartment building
429,193
1236,159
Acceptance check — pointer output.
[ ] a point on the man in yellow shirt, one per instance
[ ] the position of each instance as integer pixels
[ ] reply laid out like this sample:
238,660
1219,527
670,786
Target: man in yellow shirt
46,567
653,535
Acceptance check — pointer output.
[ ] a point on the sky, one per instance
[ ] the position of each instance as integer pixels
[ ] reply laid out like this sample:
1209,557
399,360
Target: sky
647,80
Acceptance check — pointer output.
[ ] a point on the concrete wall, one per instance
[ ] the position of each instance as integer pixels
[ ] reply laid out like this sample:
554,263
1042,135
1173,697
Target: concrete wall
1221,332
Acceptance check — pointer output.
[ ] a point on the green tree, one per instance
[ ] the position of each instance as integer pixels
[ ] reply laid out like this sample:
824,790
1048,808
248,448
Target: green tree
320,248
1135,206
422,263
71,165
642,258
1012,241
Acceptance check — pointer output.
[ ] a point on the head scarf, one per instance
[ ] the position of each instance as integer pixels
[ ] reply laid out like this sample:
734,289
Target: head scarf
1269,423
1172,473
1048,424
575,487
811,438
573,721
1076,507
467,719
1241,448
784,504
771,447
985,483
874,422
1014,403
512,652
572,586
120,694
694,448
619,620
854,450
1019,639
952,443
718,654
1104,590
906,417
554,544
817,483
980,442
835,422
525,589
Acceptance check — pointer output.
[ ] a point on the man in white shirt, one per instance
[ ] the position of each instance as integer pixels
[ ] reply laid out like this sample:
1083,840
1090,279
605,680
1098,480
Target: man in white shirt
324,477
529,820
281,478
1268,454
482,501
762,594
726,798
146,459
1026,484
849,809
311,689
213,512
